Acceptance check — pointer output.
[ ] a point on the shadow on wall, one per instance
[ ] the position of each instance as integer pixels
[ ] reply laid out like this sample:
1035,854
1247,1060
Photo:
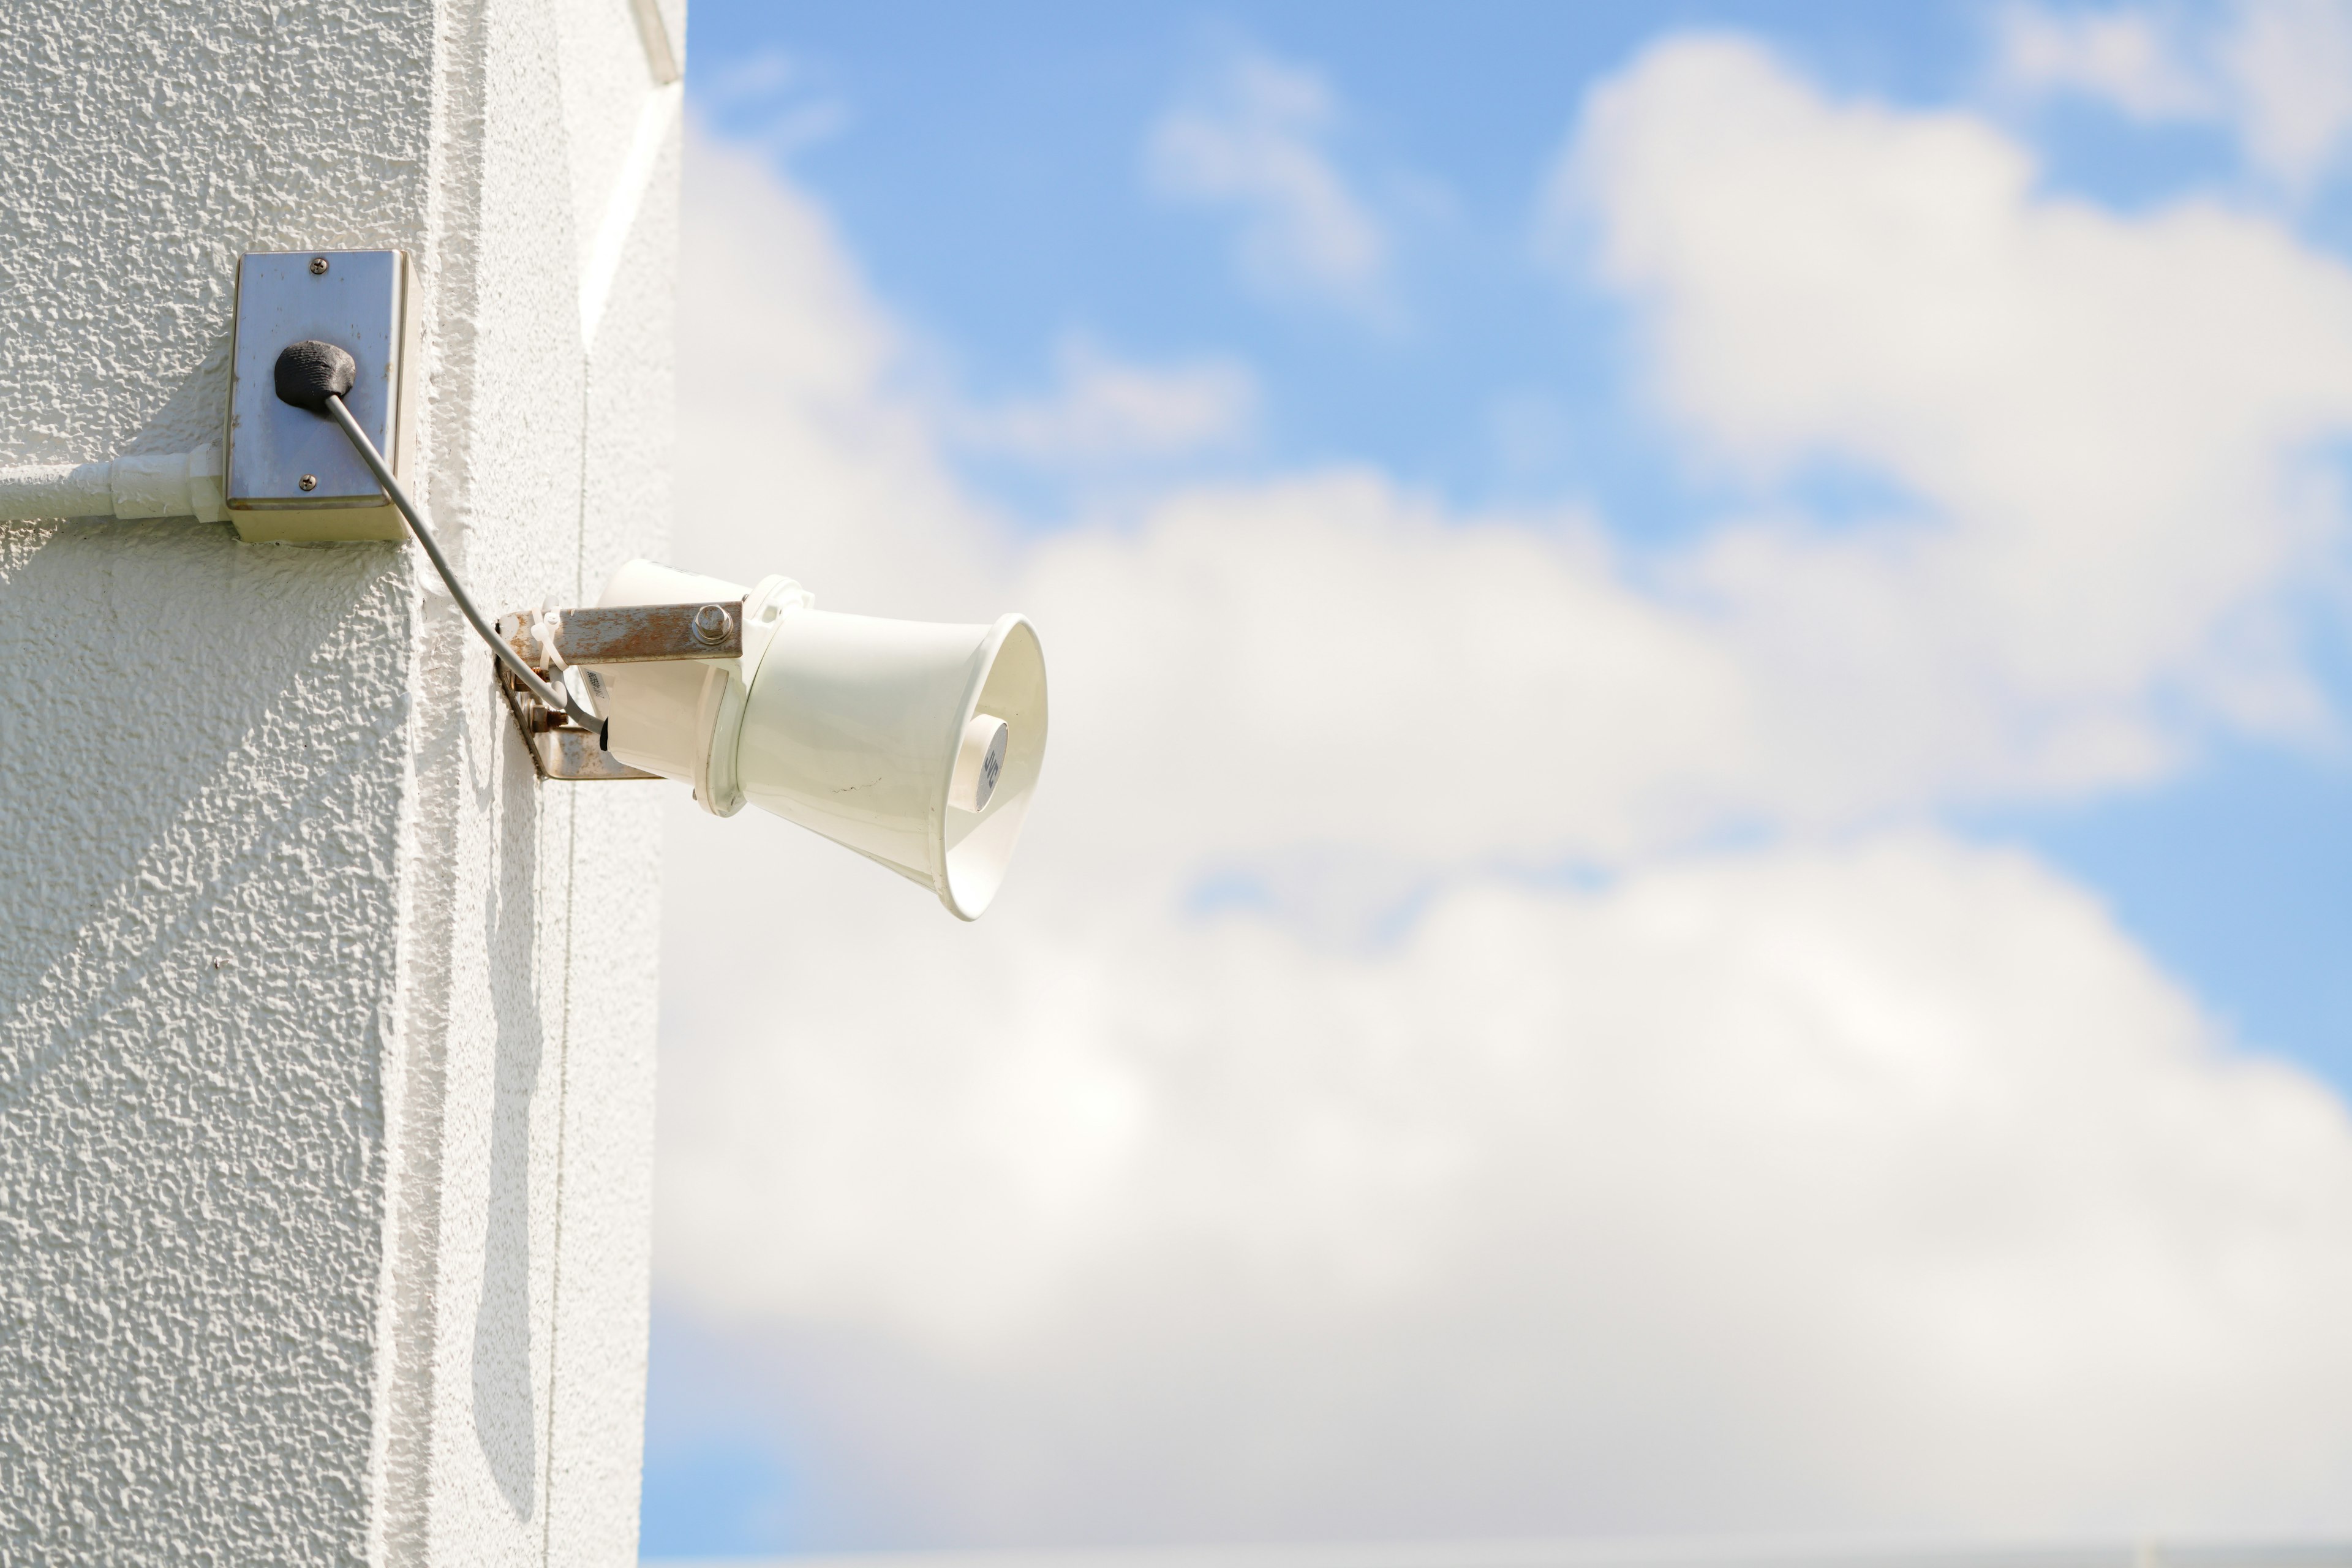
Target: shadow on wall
505,1419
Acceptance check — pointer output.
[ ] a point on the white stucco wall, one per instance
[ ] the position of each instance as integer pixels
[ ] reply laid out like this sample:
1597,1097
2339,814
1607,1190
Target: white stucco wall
326,1029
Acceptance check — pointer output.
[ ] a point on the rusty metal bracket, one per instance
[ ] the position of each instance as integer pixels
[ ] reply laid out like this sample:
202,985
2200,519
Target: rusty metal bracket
626,634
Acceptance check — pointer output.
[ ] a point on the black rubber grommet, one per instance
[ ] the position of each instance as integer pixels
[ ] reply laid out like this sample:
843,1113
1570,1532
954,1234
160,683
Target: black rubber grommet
308,371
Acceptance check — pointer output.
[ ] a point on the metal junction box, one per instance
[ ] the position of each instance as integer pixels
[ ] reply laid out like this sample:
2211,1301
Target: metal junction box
291,475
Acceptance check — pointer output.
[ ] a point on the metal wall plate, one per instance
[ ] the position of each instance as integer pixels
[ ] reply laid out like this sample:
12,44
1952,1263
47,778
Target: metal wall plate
359,300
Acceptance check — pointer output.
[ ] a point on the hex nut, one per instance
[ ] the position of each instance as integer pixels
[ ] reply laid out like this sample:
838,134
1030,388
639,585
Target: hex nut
712,624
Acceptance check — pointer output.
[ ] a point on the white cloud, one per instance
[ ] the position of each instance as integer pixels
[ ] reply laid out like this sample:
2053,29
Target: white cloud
790,421
2107,423
1107,411
1883,1187
1257,141
1863,1179
2131,58
776,100
2291,64
2277,72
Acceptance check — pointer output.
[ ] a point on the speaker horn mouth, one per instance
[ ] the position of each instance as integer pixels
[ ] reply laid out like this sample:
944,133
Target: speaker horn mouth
980,826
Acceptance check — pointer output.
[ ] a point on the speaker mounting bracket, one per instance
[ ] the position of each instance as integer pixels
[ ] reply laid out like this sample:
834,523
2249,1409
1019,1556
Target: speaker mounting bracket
547,640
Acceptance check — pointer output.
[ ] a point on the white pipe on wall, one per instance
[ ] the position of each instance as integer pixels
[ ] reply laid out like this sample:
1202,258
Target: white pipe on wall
153,484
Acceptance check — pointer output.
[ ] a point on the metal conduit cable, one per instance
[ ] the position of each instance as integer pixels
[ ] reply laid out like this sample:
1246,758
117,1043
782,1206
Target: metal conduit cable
315,375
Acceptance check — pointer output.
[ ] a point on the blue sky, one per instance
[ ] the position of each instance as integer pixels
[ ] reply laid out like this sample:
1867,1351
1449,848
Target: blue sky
1033,195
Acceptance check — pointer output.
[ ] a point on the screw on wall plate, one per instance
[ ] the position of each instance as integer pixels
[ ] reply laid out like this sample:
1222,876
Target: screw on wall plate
310,481
712,624
317,267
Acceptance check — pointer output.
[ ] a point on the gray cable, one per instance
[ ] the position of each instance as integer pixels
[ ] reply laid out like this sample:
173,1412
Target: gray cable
555,697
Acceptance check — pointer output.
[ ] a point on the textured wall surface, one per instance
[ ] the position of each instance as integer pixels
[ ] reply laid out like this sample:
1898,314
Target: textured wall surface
326,1029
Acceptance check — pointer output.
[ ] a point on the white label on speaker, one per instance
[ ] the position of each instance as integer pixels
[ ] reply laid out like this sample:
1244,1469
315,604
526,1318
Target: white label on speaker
978,763
992,767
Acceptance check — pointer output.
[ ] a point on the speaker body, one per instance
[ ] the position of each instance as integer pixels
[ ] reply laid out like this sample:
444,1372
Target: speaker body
882,735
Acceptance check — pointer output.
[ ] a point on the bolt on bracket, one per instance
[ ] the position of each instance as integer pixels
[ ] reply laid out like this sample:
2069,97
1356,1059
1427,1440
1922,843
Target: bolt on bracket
620,634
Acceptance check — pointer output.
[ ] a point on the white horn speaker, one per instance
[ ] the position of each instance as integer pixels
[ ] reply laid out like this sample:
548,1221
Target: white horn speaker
914,743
